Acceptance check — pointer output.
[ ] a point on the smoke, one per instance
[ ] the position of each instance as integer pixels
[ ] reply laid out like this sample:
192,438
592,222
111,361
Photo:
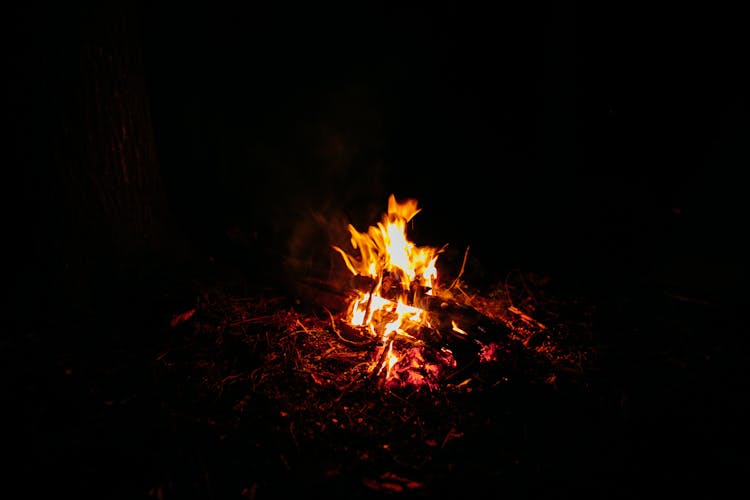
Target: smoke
330,174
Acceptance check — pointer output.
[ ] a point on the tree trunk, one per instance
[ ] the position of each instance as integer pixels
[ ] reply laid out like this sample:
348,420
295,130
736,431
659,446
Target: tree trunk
99,220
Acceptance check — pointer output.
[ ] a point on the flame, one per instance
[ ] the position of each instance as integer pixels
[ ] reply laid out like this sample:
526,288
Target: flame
400,273
385,247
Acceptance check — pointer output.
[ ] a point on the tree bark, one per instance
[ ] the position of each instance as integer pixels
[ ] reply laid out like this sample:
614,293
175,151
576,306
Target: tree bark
99,221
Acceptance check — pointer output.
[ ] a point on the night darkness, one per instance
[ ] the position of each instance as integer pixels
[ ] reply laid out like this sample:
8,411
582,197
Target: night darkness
602,146
598,142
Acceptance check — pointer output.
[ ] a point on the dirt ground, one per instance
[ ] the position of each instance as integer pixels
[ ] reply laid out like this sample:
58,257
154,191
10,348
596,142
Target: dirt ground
234,390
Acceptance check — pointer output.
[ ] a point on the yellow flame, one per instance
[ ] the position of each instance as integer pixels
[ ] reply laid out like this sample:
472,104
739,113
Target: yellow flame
457,329
385,247
385,251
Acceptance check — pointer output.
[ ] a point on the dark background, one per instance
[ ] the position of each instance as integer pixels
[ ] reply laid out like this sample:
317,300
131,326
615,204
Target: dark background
596,143
602,141
602,145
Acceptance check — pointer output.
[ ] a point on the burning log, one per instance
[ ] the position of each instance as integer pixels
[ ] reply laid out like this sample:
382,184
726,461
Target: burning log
446,311
392,303
446,314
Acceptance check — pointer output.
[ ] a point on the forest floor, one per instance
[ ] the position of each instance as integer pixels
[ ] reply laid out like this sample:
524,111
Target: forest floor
240,389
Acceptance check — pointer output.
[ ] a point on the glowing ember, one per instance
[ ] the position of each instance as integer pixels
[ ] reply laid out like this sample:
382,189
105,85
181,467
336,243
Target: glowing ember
401,275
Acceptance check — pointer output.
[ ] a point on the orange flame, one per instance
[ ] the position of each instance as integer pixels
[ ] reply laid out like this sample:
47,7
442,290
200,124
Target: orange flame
401,272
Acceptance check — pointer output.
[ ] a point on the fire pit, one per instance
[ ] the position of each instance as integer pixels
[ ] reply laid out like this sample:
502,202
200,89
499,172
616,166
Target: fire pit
378,390
396,306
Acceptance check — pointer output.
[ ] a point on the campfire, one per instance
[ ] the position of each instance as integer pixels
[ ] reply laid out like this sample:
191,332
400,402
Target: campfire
396,305
389,319
375,372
